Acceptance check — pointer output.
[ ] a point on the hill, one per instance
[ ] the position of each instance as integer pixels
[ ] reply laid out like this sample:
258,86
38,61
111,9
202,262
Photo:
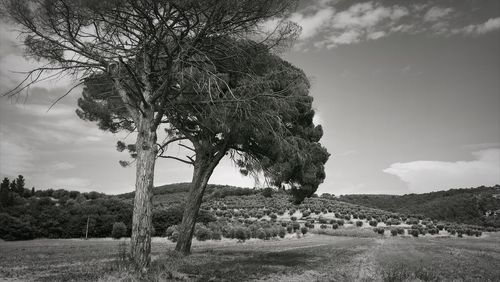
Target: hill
470,205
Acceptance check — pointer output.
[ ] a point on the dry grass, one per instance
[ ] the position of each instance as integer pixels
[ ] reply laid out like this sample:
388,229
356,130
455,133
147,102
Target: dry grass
311,258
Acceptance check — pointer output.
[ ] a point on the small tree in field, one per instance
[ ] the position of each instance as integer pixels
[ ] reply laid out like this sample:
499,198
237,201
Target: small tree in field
119,230
140,48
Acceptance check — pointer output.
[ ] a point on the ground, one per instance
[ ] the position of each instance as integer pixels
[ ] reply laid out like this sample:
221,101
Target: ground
310,258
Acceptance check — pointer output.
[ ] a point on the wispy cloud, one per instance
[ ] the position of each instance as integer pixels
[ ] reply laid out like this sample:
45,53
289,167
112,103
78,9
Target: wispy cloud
425,176
361,22
313,23
490,25
325,26
437,13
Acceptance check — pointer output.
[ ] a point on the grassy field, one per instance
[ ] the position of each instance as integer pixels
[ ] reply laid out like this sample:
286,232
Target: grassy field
311,258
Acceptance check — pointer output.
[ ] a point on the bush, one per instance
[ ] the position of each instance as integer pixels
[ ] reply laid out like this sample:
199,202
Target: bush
289,228
281,232
400,230
359,223
379,230
340,222
170,230
414,232
296,226
119,230
303,230
335,226
202,233
322,220
323,226
373,223
293,218
11,228
241,233
267,192
261,234
394,232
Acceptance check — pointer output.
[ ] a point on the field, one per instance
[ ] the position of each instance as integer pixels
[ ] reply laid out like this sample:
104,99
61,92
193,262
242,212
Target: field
312,257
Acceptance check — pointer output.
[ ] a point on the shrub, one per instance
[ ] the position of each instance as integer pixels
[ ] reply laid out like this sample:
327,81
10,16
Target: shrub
323,226
359,223
296,226
303,230
394,232
267,192
322,220
281,232
241,233
119,230
289,228
202,233
261,234
293,218
379,230
340,222
273,216
170,230
400,230
373,223
414,232
11,228
335,226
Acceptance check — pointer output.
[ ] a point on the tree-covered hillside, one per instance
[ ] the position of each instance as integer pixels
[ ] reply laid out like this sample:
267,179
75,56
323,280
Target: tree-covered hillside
471,205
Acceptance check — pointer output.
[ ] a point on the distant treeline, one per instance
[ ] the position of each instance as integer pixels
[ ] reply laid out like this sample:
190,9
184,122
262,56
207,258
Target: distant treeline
478,206
212,190
29,213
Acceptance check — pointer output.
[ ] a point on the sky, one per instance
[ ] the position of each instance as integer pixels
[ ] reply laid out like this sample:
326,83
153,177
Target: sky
407,92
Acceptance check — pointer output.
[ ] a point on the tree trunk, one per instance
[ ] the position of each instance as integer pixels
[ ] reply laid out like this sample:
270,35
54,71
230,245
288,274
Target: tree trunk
141,221
203,169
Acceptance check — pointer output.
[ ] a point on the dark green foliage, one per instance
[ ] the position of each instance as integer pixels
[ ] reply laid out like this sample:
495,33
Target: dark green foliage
12,228
164,218
414,232
373,223
322,220
267,192
379,230
359,223
5,194
335,226
303,230
202,233
468,206
394,232
119,230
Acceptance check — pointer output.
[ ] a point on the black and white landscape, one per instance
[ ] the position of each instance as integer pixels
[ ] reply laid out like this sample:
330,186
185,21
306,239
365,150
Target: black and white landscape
237,140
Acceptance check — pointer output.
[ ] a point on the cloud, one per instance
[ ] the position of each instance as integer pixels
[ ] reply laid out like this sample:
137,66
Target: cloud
437,13
426,176
327,26
478,29
311,24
